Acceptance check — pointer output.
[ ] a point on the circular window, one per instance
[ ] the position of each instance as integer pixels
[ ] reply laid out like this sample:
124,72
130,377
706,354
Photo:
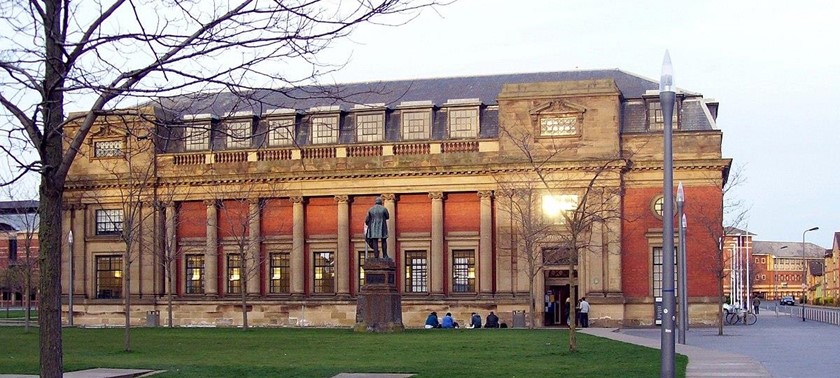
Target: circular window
657,206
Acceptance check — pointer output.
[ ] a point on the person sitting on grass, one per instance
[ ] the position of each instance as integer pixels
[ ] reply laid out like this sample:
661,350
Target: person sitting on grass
448,322
475,321
432,321
492,321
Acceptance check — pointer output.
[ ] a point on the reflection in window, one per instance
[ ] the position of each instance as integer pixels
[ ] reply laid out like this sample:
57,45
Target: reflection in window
361,268
234,274
416,272
194,273
279,273
463,271
109,277
239,134
196,138
324,272
109,221
281,132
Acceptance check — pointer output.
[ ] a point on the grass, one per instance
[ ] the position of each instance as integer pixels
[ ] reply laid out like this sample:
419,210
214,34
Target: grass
202,352
17,314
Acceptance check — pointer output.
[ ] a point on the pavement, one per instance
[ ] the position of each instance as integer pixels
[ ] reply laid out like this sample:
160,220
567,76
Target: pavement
778,345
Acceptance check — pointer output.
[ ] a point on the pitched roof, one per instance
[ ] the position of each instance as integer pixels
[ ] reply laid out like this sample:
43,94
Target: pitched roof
391,93
787,249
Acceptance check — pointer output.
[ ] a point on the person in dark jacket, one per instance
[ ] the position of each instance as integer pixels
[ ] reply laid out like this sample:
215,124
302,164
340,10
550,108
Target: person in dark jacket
448,322
492,321
432,321
475,321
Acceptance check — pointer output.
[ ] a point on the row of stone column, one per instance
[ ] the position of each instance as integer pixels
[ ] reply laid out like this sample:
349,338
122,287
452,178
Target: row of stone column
297,258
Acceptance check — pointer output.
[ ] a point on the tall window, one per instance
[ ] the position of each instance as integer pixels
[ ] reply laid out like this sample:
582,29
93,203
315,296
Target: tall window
324,272
238,134
463,123
361,268
279,273
196,138
556,208
463,271
324,129
281,132
658,272
234,274
194,274
13,249
416,124
109,221
107,148
656,120
109,277
370,127
416,272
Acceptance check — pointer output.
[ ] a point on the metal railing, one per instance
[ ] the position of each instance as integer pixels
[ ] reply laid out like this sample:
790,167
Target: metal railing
828,315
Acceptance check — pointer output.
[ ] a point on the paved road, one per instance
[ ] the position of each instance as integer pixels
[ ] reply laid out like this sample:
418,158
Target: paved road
786,346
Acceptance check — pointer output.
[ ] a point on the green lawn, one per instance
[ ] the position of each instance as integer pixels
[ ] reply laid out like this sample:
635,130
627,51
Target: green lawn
17,314
203,352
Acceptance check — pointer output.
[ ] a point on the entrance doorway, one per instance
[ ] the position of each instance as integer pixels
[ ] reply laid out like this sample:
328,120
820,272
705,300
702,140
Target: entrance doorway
556,310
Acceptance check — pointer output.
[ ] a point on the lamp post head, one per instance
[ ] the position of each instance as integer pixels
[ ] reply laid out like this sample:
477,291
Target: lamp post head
666,80
684,222
70,236
680,193
812,229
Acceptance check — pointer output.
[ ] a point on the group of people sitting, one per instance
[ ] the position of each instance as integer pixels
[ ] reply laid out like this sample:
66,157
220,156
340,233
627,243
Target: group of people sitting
475,321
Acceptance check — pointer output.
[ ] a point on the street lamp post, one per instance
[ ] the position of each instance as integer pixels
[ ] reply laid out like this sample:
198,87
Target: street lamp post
805,270
667,96
70,288
681,265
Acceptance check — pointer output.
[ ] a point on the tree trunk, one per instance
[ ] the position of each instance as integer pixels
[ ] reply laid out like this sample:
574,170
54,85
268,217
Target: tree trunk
127,309
243,288
532,304
169,276
572,315
28,294
49,314
720,306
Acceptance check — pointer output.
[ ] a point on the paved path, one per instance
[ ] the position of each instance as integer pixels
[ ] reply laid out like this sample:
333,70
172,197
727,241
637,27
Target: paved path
783,345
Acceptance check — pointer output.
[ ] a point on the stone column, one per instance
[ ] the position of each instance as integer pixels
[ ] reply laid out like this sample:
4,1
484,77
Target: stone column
485,244
436,261
170,247
389,201
298,272
342,257
254,237
211,250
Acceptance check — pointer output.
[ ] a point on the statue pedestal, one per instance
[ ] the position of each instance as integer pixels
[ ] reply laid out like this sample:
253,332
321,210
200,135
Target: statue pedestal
379,304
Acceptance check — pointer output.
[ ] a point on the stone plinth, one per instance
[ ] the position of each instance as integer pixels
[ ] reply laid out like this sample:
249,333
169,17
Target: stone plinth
379,304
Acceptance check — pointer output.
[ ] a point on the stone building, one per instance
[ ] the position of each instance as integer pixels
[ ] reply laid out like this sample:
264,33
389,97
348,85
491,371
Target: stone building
18,251
499,187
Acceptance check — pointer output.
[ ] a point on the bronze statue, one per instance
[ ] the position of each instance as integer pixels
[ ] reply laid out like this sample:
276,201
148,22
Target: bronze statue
376,228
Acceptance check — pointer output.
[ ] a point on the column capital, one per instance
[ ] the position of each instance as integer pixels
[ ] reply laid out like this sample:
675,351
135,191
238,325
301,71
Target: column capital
254,201
342,198
485,194
436,195
211,202
296,199
388,196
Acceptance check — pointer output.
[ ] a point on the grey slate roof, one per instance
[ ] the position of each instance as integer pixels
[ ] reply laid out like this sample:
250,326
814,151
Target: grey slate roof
438,90
792,250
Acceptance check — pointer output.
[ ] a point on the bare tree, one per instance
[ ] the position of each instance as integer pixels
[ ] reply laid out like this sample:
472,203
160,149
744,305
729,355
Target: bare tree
26,214
99,55
713,229
581,201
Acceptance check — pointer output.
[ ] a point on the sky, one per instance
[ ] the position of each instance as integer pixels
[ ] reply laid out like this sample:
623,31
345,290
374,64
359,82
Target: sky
774,67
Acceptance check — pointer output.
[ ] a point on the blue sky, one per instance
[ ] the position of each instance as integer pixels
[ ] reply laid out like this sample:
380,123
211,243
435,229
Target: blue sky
773,65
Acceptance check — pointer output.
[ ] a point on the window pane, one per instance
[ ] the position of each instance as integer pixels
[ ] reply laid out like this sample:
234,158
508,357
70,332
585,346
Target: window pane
279,273
109,221
656,120
658,274
281,132
109,277
194,274
239,135
370,127
234,274
415,125
110,148
554,126
196,138
416,272
463,123
463,271
324,272
324,129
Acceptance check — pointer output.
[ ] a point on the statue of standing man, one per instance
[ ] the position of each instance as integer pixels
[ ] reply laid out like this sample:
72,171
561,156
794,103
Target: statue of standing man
376,228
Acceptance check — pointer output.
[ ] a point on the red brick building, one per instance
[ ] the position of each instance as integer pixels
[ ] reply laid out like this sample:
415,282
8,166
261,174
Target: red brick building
18,250
499,188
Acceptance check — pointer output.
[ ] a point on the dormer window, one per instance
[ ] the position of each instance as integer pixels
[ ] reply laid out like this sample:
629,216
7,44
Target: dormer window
656,121
281,132
238,134
197,131
415,120
463,117
370,125
324,126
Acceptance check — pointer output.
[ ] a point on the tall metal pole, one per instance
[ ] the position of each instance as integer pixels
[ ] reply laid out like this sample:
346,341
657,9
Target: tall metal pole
70,296
667,96
681,263
805,270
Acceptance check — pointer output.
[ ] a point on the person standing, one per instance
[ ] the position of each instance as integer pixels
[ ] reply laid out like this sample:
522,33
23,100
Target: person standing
756,302
584,313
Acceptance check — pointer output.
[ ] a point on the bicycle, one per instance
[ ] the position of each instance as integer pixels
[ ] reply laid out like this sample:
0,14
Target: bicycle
741,315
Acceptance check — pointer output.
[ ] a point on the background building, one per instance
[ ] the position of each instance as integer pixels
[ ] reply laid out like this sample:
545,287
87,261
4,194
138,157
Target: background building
777,269
18,251
501,189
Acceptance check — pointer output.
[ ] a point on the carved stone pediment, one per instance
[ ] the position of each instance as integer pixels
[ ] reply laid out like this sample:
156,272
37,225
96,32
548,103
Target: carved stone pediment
554,107
106,130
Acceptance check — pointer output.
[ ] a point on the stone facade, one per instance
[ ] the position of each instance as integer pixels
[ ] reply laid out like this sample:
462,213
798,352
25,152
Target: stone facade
284,222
